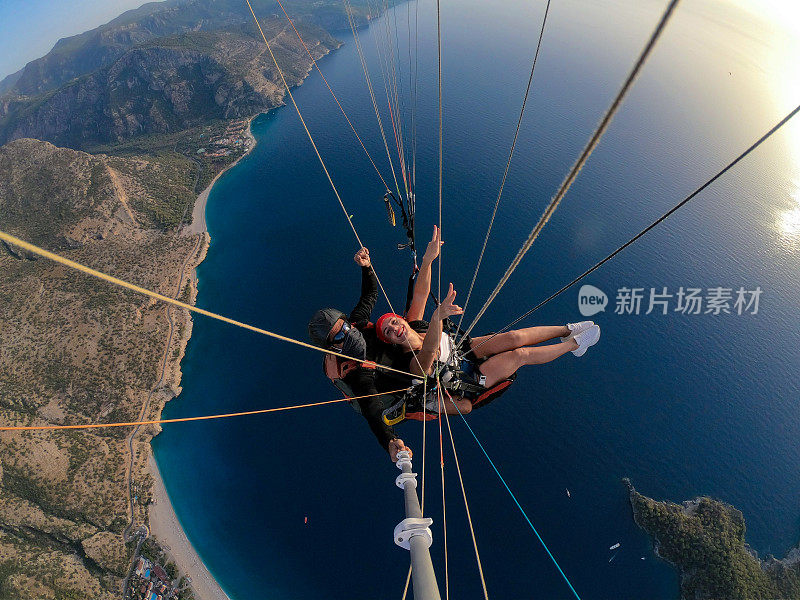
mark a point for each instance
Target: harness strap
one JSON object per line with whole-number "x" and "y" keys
{"x": 492, "y": 393}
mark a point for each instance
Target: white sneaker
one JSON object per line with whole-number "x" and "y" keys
{"x": 585, "y": 339}
{"x": 576, "y": 328}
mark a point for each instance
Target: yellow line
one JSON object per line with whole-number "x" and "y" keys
{"x": 10, "y": 239}
{"x": 316, "y": 151}
{"x": 330, "y": 89}
{"x": 466, "y": 506}
{"x": 181, "y": 420}
{"x": 303, "y": 121}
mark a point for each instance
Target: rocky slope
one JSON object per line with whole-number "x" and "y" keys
{"x": 87, "y": 52}
{"x": 705, "y": 540}
{"x": 152, "y": 95}
{"x": 76, "y": 350}
{"x": 166, "y": 85}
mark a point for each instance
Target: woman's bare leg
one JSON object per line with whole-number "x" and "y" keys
{"x": 501, "y": 366}
{"x": 511, "y": 340}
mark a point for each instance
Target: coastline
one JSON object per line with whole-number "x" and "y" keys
{"x": 163, "y": 522}
{"x": 166, "y": 528}
{"x": 198, "y": 224}
{"x": 677, "y": 542}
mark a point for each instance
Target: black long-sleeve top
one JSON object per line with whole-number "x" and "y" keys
{"x": 362, "y": 312}
{"x": 363, "y": 380}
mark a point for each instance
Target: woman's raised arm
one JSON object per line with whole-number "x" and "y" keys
{"x": 430, "y": 345}
{"x": 422, "y": 287}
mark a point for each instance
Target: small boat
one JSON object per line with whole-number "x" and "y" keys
{"x": 615, "y": 546}
{"x": 613, "y": 557}
{"x": 568, "y": 494}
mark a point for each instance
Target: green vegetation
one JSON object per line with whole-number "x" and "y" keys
{"x": 151, "y": 551}
{"x": 186, "y": 294}
{"x": 38, "y": 181}
{"x": 177, "y": 160}
{"x": 78, "y": 451}
{"x": 705, "y": 539}
{"x": 77, "y": 350}
{"x": 7, "y": 569}
{"x": 172, "y": 570}
{"x": 118, "y": 524}
{"x": 166, "y": 183}
{"x": 28, "y": 487}
{"x": 160, "y": 99}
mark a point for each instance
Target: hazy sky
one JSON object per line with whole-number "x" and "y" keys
{"x": 30, "y": 28}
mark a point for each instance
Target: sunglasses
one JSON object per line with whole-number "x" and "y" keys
{"x": 339, "y": 337}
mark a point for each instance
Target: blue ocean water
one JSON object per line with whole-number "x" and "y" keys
{"x": 682, "y": 404}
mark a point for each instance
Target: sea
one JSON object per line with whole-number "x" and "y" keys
{"x": 301, "y": 504}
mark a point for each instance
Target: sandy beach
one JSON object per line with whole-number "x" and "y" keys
{"x": 166, "y": 528}
{"x": 199, "y": 212}
{"x": 164, "y": 524}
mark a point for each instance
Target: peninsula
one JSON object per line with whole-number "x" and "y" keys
{"x": 705, "y": 539}
{"x": 108, "y": 141}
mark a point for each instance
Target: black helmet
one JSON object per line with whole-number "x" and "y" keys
{"x": 320, "y": 326}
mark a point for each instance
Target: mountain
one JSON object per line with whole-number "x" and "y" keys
{"x": 166, "y": 85}
{"x": 9, "y": 82}
{"x": 87, "y": 52}
{"x": 161, "y": 97}
{"x": 76, "y": 350}
{"x": 163, "y": 68}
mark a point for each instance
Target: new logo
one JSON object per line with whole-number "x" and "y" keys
{"x": 591, "y": 300}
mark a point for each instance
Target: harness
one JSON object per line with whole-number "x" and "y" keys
{"x": 336, "y": 369}
{"x": 460, "y": 376}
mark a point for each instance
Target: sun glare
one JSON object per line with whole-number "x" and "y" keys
{"x": 784, "y": 15}
{"x": 789, "y": 220}
{"x": 782, "y": 19}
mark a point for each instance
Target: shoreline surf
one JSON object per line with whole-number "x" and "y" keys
{"x": 163, "y": 520}
{"x": 167, "y": 529}
{"x": 198, "y": 224}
